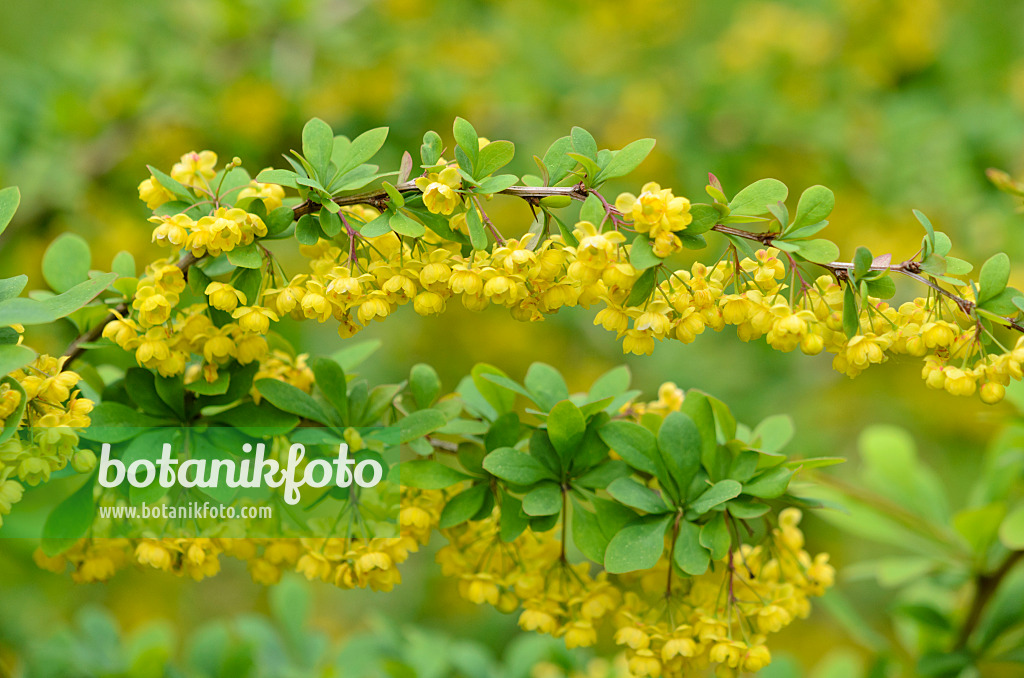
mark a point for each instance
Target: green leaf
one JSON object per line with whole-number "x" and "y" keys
{"x": 679, "y": 441}
{"x": 631, "y": 441}
{"x": 10, "y": 198}
{"x": 66, "y": 262}
{"x": 956, "y": 266}
{"x": 851, "y": 316}
{"x": 637, "y": 546}
{"x": 1011, "y": 530}
{"x": 755, "y": 198}
{"x": 330, "y": 223}
{"x": 587, "y": 533}
{"x": 70, "y": 519}
{"x": 602, "y": 475}
{"x": 171, "y": 185}
{"x": 543, "y": 500}
{"x": 546, "y": 385}
{"x": 770, "y": 484}
{"x": 376, "y": 227}
{"x": 14, "y": 357}
{"x": 633, "y": 494}
{"x": 306, "y": 230}
{"x": 862, "y": 261}
{"x": 566, "y": 427}
{"x": 12, "y": 287}
{"x": 123, "y": 264}
{"x": 317, "y": 145}
{"x": 689, "y": 555}
{"x": 583, "y": 142}
{"x": 643, "y": 287}
{"x": 32, "y": 312}
{"x": 627, "y": 159}
{"x": 818, "y": 251}
{"x": 247, "y": 256}
{"x": 218, "y": 386}
{"x": 280, "y": 177}
{"x": 404, "y": 225}
{"x": 641, "y": 254}
{"x": 698, "y": 407}
{"x": 513, "y": 520}
{"x": 704, "y": 218}
{"x": 496, "y": 184}
{"x": 883, "y": 288}
{"x": 504, "y": 432}
{"x": 720, "y": 492}
{"x": 430, "y": 149}
{"x": 1003, "y": 303}
{"x": 612, "y": 383}
{"x": 816, "y": 204}
{"x": 429, "y": 475}
{"x": 258, "y": 420}
{"x": 394, "y": 194}
{"x": 141, "y": 386}
{"x": 467, "y": 139}
{"x": 499, "y": 398}
{"x": 362, "y": 149}
{"x": 420, "y": 423}
{"x": 994, "y": 275}
{"x": 518, "y": 468}
{"x": 463, "y": 506}
{"x": 476, "y": 229}
{"x": 493, "y": 157}
{"x": 928, "y": 228}
{"x": 114, "y": 422}
{"x": 288, "y": 398}
{"x": 332, "y": 383}
{"x": 774, "y": 432}
{"x": 979, "y": 526}
{"x": 424, "y": 384}
{"x": 715, "y": 537}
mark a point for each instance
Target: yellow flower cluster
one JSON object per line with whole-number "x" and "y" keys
{"x": 535, "y": 276}
{"x": 222, "y": 231}
{"x": 658, "y": 213}
{"x": 53, "y": 411}
{"x": 720, "y": 618}
{"x": 348, "y": 563}
{"x": 167, "y": 344}
{"x": 557, "y": 597}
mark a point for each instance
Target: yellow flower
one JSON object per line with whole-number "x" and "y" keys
{"x": 992, "y": 392}
{"x": 195, "y": 169}
{"x": 655, "y": 210}
{"x": 638, "y": 342}
{"x": 428, "y": 303}
{"x": 224, "y": 297}
{"x": 440, "y": 194}
{"x": 375, "y": 305}
{"x": 272, "y": 195}
{"x": 632, "y": 637}
{"x": 254, "y": 318}
{"x": 153, "y": 193}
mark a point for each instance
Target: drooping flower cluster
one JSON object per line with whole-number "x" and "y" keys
{"x": 723, "y": 617}
{"x": 556, "y": 597}
{"x": 45, "y": 440}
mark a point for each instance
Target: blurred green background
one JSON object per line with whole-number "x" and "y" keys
{"x": 894, "y": 104}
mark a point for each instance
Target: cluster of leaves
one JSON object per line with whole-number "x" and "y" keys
{"x": 329, "y": 166}
{"x": 622, "y": 485}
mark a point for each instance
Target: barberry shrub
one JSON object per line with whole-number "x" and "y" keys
{"x": 664, "y": 525}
